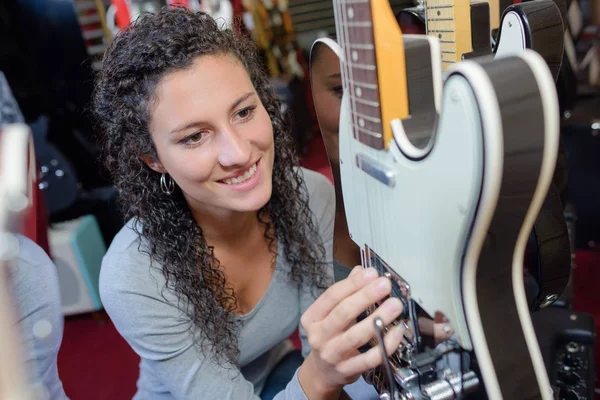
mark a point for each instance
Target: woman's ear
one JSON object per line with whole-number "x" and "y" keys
{"x": 153, "y": 163}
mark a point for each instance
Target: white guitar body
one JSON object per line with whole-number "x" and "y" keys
{"x": 393, "y": 200}
{"x": 434, "y": 286}
{"x": 536, "y": 25}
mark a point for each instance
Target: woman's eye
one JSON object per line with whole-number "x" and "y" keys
{"x": 195, "y": 138}
{"x": 246, "y": 113}
{"x": 338, "y": 90}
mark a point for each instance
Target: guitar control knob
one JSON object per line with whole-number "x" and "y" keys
{"x": 567, "y": 394}
{"x": 572, "y": 347}
{"x": 568, "y": 376}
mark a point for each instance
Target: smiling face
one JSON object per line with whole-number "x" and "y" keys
{"x": 214, "y": 137}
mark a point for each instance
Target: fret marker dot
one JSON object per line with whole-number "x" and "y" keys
{"x": 354, "y": 55}
{"x": 361, "y": 122}
{"x": 358, "y": 92}
{"x": 439, "y": 13}
{"x": 440, "y": 35}
{"x": 350, "y": 12}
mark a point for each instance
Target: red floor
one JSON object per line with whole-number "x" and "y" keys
{"x": 95, "y": 363}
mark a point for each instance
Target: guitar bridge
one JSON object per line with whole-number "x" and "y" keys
{"x": 416, "y": 373}
{"x": 400, "y": 288}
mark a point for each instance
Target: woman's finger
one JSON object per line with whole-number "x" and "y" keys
{"x": 358, "y": 278}
{"x": 351, "y": 307}
{"x": 372, "y": 358}
{"x": 359, "y": 334}
{"x": 439, "y": 331}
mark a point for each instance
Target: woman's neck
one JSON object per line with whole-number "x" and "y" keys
{"x": 228, "y": 229}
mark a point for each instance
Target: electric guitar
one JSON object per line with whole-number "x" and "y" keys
{"x": 537, "y": 25}
{"x": 17, "y": 175}
{"x": 448, "y": 222}
{"x": 465, "y": 28}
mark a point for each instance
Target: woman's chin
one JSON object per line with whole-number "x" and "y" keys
{"x": 254, "y": 201}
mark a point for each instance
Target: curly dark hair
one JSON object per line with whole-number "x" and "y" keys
{"x": 137, "y": 59}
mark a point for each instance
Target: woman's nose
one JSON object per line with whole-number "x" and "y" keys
{"x": 234, "y": 149}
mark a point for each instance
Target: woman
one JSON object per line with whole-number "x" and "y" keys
{"x": 228, "y": 243}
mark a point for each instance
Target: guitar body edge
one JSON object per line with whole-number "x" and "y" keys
{"x": 528, "y": 165}
{"x": 535, "y": 25}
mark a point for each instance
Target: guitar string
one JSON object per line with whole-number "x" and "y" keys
{"x": 349, "y": 84}
{"x": 363, "y": 37}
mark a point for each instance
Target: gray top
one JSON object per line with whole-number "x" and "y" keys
{"x": 36, "y": 293}
{"x": 171, "y": 367}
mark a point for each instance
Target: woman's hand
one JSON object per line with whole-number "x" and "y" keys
{"x": 437, "y": 331}
{"x": 335, "y": 337}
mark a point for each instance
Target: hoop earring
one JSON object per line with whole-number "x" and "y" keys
{"x": 167, "y": 187}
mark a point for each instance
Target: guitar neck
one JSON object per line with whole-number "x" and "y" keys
{"x": 495, "y": 13}
{"x": 373, "y": 52}
{"x": 450, "y": 22}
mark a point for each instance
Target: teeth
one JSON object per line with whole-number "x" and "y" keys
{"x": 232, "y": 181}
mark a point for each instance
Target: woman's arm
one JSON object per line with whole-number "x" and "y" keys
{"x": 36, "y": 293}
{"x": 160, "y": 333}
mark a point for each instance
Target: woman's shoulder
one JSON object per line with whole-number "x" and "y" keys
{"x": 127, "y": 240}
{"x": 321, "y": 195}
{"x": 315, "y": 181}
{"x": 127, "y": 265}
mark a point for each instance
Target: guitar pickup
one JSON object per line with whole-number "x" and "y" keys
{"x": 376, "y": 169}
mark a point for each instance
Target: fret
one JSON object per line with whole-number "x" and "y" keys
{"x": 448, "y": 52}
{"x": 368, "y": 67}
{"x": 447, "y": 41}
{"x": 367, "y": 107}
{"x": 362, "y": 56}
{"x": 440, "y": 19}
{"x": 442, "y": 30}
{"x": 361, "y": 46}
{"x": 359, "y": 24}
{"x": 362, "y": 75}
{"x": 370, "y": 115}
{"x": 373, "y": 142}
{"x": 448, "y": 47}
{"x": 438, "y": 7}
{"x": 360, "y": 36}
{"x": 364, "y": 85}
{"x": 368, "y": 132}
{"x": 366, "y": 125}
{"x": 364, "y": 93}
{"x": 351, "y": 12}
{"x": 353, "y": 1}
{"x": 365, "y": 102}
{"x": 369, "y": 118}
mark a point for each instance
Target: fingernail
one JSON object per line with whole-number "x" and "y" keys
{"x": 383, "y": 285}
{"x": 394, "y": 305}
{"x": 370, "y": 273}
{"x": 399, "y": 332}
